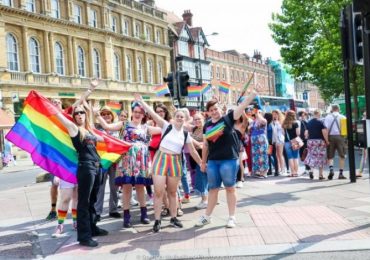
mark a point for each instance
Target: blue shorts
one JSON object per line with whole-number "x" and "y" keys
{"x": 222, "y": 171}
{"x": 290, "y": 153}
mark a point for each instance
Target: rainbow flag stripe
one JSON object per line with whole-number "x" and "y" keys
{"x": 206, "y": 87}
{"x": 214, "y": 132}
{"x": 115, "y": 106}
{"x": 224, "y": 87}
{"x": 161, "y": 90}
{"x": 194, "y": 91}
{"x": 39, "y": 132}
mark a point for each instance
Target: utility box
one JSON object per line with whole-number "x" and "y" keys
{"x": 361, "y": 134}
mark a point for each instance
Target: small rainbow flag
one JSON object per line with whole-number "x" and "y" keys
{"x": 224, "y": 87}
{"x": 115, "y": 106}
{"x": 161, "y": 90}
{"x": 206, "y": 87}
{"x": 194, "y": 91}
{"x": 39, "y": 132}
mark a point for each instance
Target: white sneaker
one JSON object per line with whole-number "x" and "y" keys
{"x": 201, "y": 205}
{"x": 133, "y": 202}
{"x": 231, "y": 223}
{"x": 58, "y": 231}
{"x": 150, "y": 202}
{"x": 239, "y": 184}
{"x": 203, "y": 220}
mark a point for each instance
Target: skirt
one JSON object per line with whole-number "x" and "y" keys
{"x": 316, "y": 156}
{"x": 259, "y": 147}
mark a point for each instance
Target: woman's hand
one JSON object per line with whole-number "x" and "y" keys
{"x": 94, "y": 83}
{"x": 138, "y": 97}
{"x": 96, "y": 110}
{"x": 203, "y": 167}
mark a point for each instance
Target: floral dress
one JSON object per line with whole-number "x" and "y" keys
{"x": 259, "y": 147}
{"x": 134, "y": 166}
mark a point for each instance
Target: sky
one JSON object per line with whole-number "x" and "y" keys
{"x": 242, "y": 24}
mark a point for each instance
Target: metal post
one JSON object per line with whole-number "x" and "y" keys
{"x": 200, "y": 77}
{"x": 347, "y": 91}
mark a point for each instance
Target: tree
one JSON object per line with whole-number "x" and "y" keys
{"x": 309, "y": 35}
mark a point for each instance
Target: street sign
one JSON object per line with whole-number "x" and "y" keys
{"x": 175, "y": 102}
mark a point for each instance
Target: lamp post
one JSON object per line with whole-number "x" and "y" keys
{"x": 200, "y": 82}
{"x": 267, "y": 62}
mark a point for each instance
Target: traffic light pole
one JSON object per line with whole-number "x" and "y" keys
{"x": 347, "y": 92}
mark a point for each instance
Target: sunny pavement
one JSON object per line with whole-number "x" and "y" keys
{"x": 278, "y": 215}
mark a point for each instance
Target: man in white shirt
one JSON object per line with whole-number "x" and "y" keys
{"x": 336, "y": 140}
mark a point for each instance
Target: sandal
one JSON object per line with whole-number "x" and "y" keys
{"x": 293, "y": 175}
{"x": 165, "y": 212}
{"x": 321, "y": 178}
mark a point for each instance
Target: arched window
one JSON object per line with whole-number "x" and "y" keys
{"x": 34, "y": 48}
{"x": 59, "y": 58}
{"x": 116, "y": 67}
{"x": 160, "y": 72}
{"x": 139, "y": 70}
{"x": 150, "y": 71}
{"x": 12, "y": 52}
{"x": 128, "y": 69}
{"x": 81, "y": 61}
{"x": 55, "y": 8}
{"x": 96, "y": 64}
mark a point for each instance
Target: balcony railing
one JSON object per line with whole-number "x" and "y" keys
{"x": 18, "y": 76}
{"x": 40, "y": 78}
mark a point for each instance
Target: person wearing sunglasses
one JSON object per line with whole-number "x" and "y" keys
{"x": 133, "y": 169}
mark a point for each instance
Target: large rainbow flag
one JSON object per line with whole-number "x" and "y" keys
{"x": 39, "y": 132}
{"x": 161, "y": 90}
{"x": 224, "y": 87}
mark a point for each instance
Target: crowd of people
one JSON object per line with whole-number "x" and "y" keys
{"x": 204, "y": 152}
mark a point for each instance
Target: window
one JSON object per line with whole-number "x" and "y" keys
{"x": 12, "y": 52}
{"x": 34, "y": 48}
{"x": 183, "y": 48}
{"x": 55, "y": 8}
{"x": 77, "y": 14}
{"x": 81, "y": 61}
{"x": 224, "y": 73}
{"x": 114, "y": 24}
{"x": 59, "y": 58}
{"x": 160, "y": 72}
{"x": 8, "y": 3}
{"x": 96, "y": 64}
{"x": 30, "y": 6}
{"x": 158, "y": 37}
{"x": 211, "y": 72}
{"x": 126, "y": 25}
{"x": 150, "y": 71}
{"x": 148, "y": 34}
{"x": 93, "y": 18}
{"x": 232, "y": 75}
{"x": 137, "y": 30}
{"x": 128, "y": 69}
{"x": 243, "y": 77}
{"x": 139, "y": 70}
{"x": 116, "y": 67}
{"x": 218, "y": 72}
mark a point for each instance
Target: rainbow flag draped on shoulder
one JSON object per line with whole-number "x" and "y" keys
{"x": 224, "y": 87}
{"x": 39, "y": 132}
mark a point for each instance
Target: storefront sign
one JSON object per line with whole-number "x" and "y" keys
{"x": 66, "y": 94}
{"x": 146, "y": 97}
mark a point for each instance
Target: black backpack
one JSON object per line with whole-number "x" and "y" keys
{"x": 168, "y": 129}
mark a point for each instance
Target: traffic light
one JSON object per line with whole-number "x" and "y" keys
{"x": 358, "y": 44}
{"x": 170, "y": 84}
{"x": 183, "y": 83}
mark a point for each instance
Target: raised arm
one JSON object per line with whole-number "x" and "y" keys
{"x": 159, "y": 120}
{"x": 71, "y": 127}
{"x": 243, "y": 105}
{"x": 93, "y": 84}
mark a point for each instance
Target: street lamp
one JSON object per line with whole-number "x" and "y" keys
{"x": 200, "y": 68}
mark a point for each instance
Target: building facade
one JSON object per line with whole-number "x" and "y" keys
{"x": 309, "y": 92}
{"x": 236, "y": 69}
{"x": 57, "y": 46}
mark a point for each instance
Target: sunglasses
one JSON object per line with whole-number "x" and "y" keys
{"x": 105, "y": 114}
{"x": 79, "y": 113}
{"x": 159, "y": 111}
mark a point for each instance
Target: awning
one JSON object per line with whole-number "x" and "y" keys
{"x": 6, "y": 119}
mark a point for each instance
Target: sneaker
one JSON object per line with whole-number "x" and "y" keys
{"x": 201, "y": 205}
{"x": 331, "y": 175}
{"x": 185, "y": 200}
{"x": 89, "y": 243}
{"x": 176, "y": 223}
{"x": 157, "y": 226}
{"x": 311, "y": 175}
{"x": 58, "y": 231}
{"x": 115, "y": 215}
{"x": 203, "y": 220}
{"x": 231, "y": 223}
{"x": 150, "y": 202}
{"x": 52, "y": 215}
{"x": 341, "y": 177}
{"x": 133, "y": 202}
{"x": 119, "y": 204}
{"x": 180, "y": 212}
{"x": 97, "y": 218}
{"x": 239, "y": 184}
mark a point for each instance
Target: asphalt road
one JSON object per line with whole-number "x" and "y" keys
{"x": 18, "y": 179}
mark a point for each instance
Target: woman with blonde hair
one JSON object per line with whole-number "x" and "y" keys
{"x": 292, "y": 131}
{"x": 278, "y": 137}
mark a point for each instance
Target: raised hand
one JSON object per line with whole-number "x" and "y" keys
{"x": 138, "y": 97}
{"x": 94, "y": 83}
{"x": 96, "y": 110}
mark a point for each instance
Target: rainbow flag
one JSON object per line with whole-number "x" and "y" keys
{"x": 194, "y": 91}
{"x": 39, "y": 132}
{"x": 224, "y": 87}
{"x": 245, "y": 87}
{"x": 161, "y": 90}
{"x": 115, "y": 106}
{"x": 206, "y": 87}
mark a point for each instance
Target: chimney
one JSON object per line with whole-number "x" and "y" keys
{"x": 148, "y": 2}
{"x": 188, "y": 17}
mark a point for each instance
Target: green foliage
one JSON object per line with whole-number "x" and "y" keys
{"x": 309, "y": 36}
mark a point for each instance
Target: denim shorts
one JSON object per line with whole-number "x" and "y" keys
{"x": 222, "y": 171}
{"x": 290, "y": 153}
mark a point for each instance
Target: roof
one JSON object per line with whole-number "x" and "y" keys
{"x": 6, "y": 119}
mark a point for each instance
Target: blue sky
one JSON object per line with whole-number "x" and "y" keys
{"x": 241, "y": 24}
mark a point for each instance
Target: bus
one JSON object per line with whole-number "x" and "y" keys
{"x": 270, "y": 103}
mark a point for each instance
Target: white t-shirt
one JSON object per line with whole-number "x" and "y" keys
{"x": 174, "y": 140}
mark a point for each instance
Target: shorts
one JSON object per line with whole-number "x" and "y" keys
{"x": 290, "y": 153}
{"x": 337, "y": 143}
{"x": 222, "y": 171}
{"x": 167, "y": 164}
{"x": 53, "y": 180}
{"x": 66, "y": 185}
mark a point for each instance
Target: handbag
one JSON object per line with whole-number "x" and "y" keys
{"x": 295, "y": 143}
{"x": 270, "y": 149}
{"x": 304, "y": 154}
